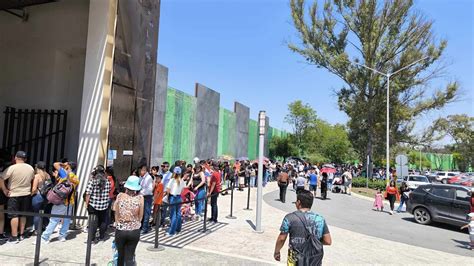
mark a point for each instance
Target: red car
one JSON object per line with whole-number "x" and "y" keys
{"x": 468, "y": 181}
{"x": 456, "y": 179}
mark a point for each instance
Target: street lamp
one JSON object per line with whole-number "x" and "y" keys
{"x": 388, "y": 75}
{"x": 261, "y": 132}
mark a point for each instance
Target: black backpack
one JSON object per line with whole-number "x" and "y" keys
{"x": 311, "y": 251}
{"x": 47, "y": 186}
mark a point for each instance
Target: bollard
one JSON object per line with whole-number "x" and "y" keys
{"x": 39, "y": 232}
{"x": 204, "y": 226}
{"x": 156, "y": 246}
{"x": 248, "y": 200}
{"x": 92, "y": 220}
{"x": 230, "y": 216}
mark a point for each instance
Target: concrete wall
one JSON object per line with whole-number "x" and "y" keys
{"x": 42, "y": 62}
{"x": 159, "y": 110}
{"x": 97, "y": 89}
{"x": 242, "y": 127}
{"x": 207, "y": 122}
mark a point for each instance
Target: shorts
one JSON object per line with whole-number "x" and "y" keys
{"x": 19, "y": 204}
{"x": 3, "y": 198}
{"x": 313, "y": 187}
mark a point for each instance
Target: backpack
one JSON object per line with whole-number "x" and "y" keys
{"x": 60, "y": 193}
{"x": 47, "y": 186}
{"x": 311, "y": 251}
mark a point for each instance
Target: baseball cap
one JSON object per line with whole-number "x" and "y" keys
{"x": 177, "y": 170}
{"x": 21, "y": 154}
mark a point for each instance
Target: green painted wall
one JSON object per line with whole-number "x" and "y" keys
{"x": 227, "y": 132}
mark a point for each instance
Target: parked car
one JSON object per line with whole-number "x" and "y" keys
{"x": 414, "y": 181}
{"x": 443, "y": 176}
{"x": 457, "y": 179}
{"x": 448, "y": 204}
{"x": 468, "y": 181}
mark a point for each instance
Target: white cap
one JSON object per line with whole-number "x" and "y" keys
{"x": 196, "y": 160}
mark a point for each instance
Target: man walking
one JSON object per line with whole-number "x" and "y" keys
{"x": 347, "y": 177}
{"x": 21, "y": 176}
{"x": 308, "y": 233}
{"x": 313, "y": 182}
{"x": 282, "y": 180}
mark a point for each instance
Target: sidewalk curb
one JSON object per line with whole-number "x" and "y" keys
{"x": 357, "y": 195}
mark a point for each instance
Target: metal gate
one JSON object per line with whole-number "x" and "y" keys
{"x": 40, "y": 133}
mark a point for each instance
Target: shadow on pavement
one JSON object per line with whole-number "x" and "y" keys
{"x": 190, "y": 232}
{"x": 462, "y": 244}
{"x": 435, "y": 224}
{"x": 251, "y": 224}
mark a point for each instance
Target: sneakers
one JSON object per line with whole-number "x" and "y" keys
{"x": 62, "y": 239}
{"x": 3, "y": 237}
{"x": 391, "y": 212}
{"x": 13, "y": 240}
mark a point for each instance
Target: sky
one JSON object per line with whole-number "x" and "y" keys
{"x": 239, "y": 48}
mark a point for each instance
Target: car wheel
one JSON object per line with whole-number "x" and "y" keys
{"x": 444, "y": 181}
{"x": 422, "y": 216}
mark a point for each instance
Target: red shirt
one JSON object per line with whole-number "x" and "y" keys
{"x": 112, "y": 187}
{"x": 216, "y": 178}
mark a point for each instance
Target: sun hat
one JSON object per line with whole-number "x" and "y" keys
{"x": 133, "y": 183}
{"x": 177, "y": 170}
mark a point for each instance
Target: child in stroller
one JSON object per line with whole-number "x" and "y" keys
{"x": 187, "y": 211}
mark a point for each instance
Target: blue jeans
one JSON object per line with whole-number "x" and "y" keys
{"x": 53, "y": 222}
{"x": 175, "y": 215}
{"x": 402, "y": 201}
{"x": 200, "y": 196}
{"x": 37, "y": 204}
{"x": 252, "y": 181}
{"x": 148, "y": 204}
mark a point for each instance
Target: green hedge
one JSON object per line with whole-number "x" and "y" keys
{"x": 361, "y": 182}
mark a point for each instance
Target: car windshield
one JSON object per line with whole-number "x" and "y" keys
{"x": 419, "y": 179}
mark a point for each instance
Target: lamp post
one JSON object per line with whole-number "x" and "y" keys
{"x": 261, "y": 133}
{"x": 388, "y": 75}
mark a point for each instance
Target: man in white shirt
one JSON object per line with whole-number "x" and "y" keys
{"x": 146, "y": 181}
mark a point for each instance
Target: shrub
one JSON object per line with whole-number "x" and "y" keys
{"x": 373, "y": 184}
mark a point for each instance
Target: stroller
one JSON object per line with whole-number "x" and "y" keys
{"x": 187, "y": 211}
{"x": 337, "y": 185}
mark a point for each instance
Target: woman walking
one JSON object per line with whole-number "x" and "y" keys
{"x": 198, "y": 184}
{"x": 403, "y": 195}
{"x": 324, "y": 186}
{"x": 128, "y": 217}
{"x": 42, "y": 179}
{"x": 391, "y": 193}
{"x": 175, "y": 188}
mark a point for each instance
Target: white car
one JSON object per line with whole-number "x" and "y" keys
{"x": 444, "y": 176}
{"x": 414, "y": 181}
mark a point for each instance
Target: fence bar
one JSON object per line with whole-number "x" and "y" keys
{"x": 156, "y": 246}
{"x": 50, "y": 138}
{"x": 56, "y": 137}
{"x": 18, "y": 128}
{"x": 6, "y": 126}
{"x": 25, "y": 129}
{"x": 39, "y": 232}
{"x": 230, "y": 216}
{"x": 248, "y": 199}
{"x": 92, "y": 220}
{"x": 63, "y": 140}
{"x": 204, "y": 226}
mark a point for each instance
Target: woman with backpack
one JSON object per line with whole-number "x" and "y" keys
{"x": 41, "y": 185}
{"x": 97, "y": 200}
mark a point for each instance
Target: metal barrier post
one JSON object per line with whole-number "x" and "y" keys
{"x": 248, "y": 199}
{"x": 92, "y": 220}
{"x": 39, "y": 232}
{"x": 157, "y": 247}
{"x": 231, "y": 202}
{"x": 204, "y": 226}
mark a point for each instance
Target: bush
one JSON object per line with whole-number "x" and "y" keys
{"x": 373, "y": 184}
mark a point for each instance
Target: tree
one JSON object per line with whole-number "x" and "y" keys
{"x": 282, "y": 147}
{"x": 461, "y": 129}
{"x": 300, "y": 117}
{"x": 414, "y": 158}
{"x": 384, "y": 35}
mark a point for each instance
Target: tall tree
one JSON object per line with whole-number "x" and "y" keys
{"x": 461, "y": 129}
{"x": 300, "y": 117}
{"x": 384, "y": 35}
{"x": 282, "y": 147}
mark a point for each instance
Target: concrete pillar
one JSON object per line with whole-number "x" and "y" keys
{"x": 207, "y": 122}
{"x": 242, "y": 113}
{"x": 159, "y": 110}
{"x": 267, "y": 139}
{"x": 97, "y": 87}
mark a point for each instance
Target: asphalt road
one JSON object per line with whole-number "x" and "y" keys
{"x": 355, "y": 214}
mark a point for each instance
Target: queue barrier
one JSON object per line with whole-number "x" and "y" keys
{"x": 157, "y": 247}
{"x": 91, "y": 218}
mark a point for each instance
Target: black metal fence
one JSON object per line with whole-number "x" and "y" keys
{"x": 40, "y": 133}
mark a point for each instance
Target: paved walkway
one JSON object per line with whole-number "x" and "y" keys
{"x": 233, "y": 242}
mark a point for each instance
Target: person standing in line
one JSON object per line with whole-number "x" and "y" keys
{"x": 282, "y": 180}
{"x": 128, "y": 208}
{"x": 198, "y": 185}
{"x": 167, "y": 175}
{"x": 146, "y": 182}
{"x": 303, "y": 225}
{"x": 157, "y": 197}
{"x": 391, "y": 193}
{"x": 97, "y": 201}
{"x": 174, "y": 189}
{"x": 66, "y": 176}
{"x": 404, "y": 190}
{"x": 214, "y": 190}
{"x": 347, "y": 182}
{"x": 20, "y": 176}
{"x": 313, "y": 182}
{"x": 42, "y": 179}
{"x": 242, "y": 176}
